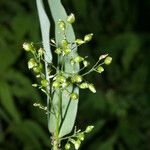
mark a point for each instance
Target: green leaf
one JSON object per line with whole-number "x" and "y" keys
{"x": 69, "y": 108}
{"x": 37, "y": 131}
{"x": 7, "y": 101}
{"x": 21, "y": 85}
{"x": 4, "y": 116}
{"x": 131, "y": 48}
{"x": 25, "y": 135}
{"x": 81, "y": 7}
{"x": 45, "y": 29}
{"x": 108, "y": 144}
{"x": 6, "y": 54}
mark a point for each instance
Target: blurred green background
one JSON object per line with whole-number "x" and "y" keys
{"x": 120, "y": 110}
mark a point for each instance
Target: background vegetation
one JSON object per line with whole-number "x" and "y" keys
{"x": 120, "y": 108}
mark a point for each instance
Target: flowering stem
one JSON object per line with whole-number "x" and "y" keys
{"x": 93, "y": 68}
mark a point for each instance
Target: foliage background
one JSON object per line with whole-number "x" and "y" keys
{"x": 120, "y": 108}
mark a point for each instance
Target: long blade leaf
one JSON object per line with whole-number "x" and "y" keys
{"x": 45, "y": 30}
{"x": 69, "y": 108}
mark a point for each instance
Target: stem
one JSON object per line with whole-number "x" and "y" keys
{"x": 56, "y": 136}
{"x": 88, "y": 71}
{"x": 59, "y": 115}
{"x": 71, "y": 136}
{"x": 56, "y": 145}
{"x": 93, "y": 68}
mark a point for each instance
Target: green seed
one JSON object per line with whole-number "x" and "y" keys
{"x": 74, "y": 96}
{"x": 34, "y": 85}
{"x": 38, "y": 69}
{"x": 78, "y": 59}
{"x": 41, "y": 52}
{"x": 88, "y": 37}
{"x": 84, "y": 85}
{"x": 71, "y": 18}
{"x": 72, "y": 62}
{"x": 62, "y": 25}
{"x": 61, "y": 79}
{"x": 79, "y": 41}
{"x": 85, "y": 63}
{"x": 89, "y": 129}
{"x": 67, "y": 51}
{"x": 27, "y": 46}
{"x": 108, "y": 60}
{"x": 58, "y": 51}
{"x": 76, "y": 78}
{"x": 67, "y": 146}
{"x": 56, "y": 84}
{"x": 32, "y": 63}
{"x": 44, "y": 82}
{"x": 92, "y": 88}
{"x": 100, "y": 69}
{"x": 77, "y": 144}
{"x": 65, "y": 84}
{"x": 64, "y": 43}
{"x": 81, "y": 136}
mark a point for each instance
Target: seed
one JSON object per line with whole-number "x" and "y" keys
{"x": 84, "y": 85}
{"x": 27, "y": 46}
{"x": 56, "y": 84}
{"x": 79, "y": 41}
{"x": 71, "y": 18}
{"x": 67, "y": 51}
{"x": 32, "y": 63}
{"x": 89, "y": 129}
{"x": 100, "y": 69}
{"x": 67, "y": 146}
{"x": 108, "y": 60}
{"x": 88, "y": 37}
{"x": 64, "y": 43}
{"x": 58, "y": 51}
{"x": 78, "y": 59}
{"x": 62, "y": 25}
{"x": 74, "y": 96}
{"x": 44, "y": 82}
{"x": 92, "y": 88}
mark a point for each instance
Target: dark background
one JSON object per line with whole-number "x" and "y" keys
{"x": 120, "y": 110}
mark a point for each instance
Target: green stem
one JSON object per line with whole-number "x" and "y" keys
{"x": 56, "y": 136}
{"x": 56, "y": 144}
{"x": 93, "y": 68}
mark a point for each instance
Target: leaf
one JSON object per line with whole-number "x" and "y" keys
{"x": 45, "y": 29}
{"x": 21, "y": 85}
{"x": 132, "y": 47}
{"x": 37, "y": 131}
{"x": 26, "y": 135}
{"x": 108, "y": 145}
{"x": 7, "y": 101}
{"x": 4, "y": 116}
{"x": 6, "y": 54}
{"x": 81, "y": 7}
{"x": 69, "y": 108}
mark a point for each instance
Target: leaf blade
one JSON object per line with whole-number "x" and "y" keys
{"x": 45, "y": 29}
{"x": 7, "y": 101}
{"x": 69, "y": 120}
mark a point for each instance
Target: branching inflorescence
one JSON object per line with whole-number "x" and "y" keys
{"x": 59, "y": 78}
